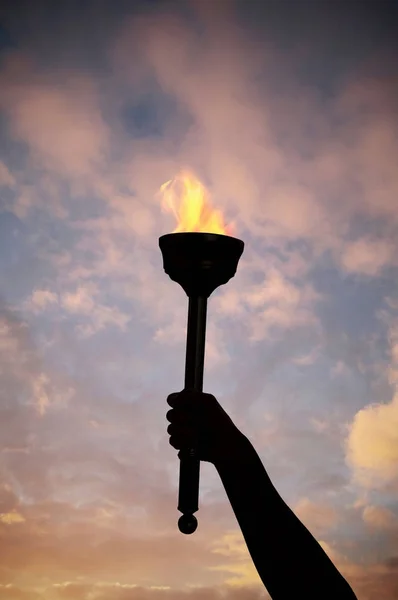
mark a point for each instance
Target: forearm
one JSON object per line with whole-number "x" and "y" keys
{"x": 287, "y": 557}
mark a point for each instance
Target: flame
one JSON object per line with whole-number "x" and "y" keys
{"x": 188, "y": 199}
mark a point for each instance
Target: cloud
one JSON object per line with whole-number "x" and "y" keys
{"x": 379, "y": 517}
{"x": 11, "y": 517}
{"x": 6, "y": 177}
{"x": 8, "y": 499}
{"x": 42, "y": 298}
{"x": 29, "y": 391}
{"x": 317, "y": 517}
{"x": 308, "y": 359}
{"x": 368, "y": 257}
{"x": 118, "y": 591}
{"x": 372, "y": 446}
{"x": 372, "y": 441}
{"x": 24, "y": 380}
{"x": 240, "y": 570}
{"x": 266, "y": 309}
{"x": 12, "y": 592}
{"x": 59, "y": 120}
{"x": 81, "y": 302}
{"x": 281, "y": 304}
{"x": 40, "y": 393}
{"x": 372, "y": 579}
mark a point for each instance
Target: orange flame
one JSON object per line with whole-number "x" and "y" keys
{"x": 188, "y": 199}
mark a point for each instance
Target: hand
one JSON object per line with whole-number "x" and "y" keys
{"x": 198, "y": 421}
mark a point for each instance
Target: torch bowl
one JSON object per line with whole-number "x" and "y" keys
{"x": 200, "y": 262}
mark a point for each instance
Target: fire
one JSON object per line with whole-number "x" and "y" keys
{"x": 188, "y": 199}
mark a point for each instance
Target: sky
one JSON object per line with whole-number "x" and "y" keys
{"x": 288, "y": 114}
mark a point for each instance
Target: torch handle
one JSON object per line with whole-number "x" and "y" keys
{"x": 188, "y": 497}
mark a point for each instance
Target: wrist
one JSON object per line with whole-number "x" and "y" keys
{"x": 241, "y": 452}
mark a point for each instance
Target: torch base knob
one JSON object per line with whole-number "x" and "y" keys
{"x": 187, "y": 524}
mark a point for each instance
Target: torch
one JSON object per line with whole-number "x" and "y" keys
{"x": 200, "y": 257}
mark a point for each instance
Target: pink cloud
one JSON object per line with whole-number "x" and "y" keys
{"x": 59, "y": 120}
{"x": 368, "y": 257}
{"x": 6, "y": 177}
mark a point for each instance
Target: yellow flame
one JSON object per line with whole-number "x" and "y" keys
{"x": 187, "y": 198}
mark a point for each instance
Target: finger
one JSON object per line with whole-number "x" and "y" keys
{"x": 173, "y": 441}
{"x": 171, "y": 430}
{"x": 171, "y": 398}
{"x": 183, "y": 438}
{"x": 191, "y": 404}
{"x": 182, "y": 415}
{"x": 198, "y": 400}
{"x": 188, "y": 395}
{"x": 177, "y": 398}
{"x": 180, "y": 399}
{"x": 189, "y": 400}
{"x": 180, "y": 442}
{"x": 181, "y": 431}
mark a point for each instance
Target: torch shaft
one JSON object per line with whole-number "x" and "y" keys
{"x": 196, "y": 337}
{"x": 188, "y": 497}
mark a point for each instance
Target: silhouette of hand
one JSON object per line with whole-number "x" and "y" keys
{"x": 198, "y": 421}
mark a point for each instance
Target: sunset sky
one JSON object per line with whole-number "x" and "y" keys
{"x": 287, "y": 111}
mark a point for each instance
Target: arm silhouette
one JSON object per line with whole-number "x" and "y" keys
{"x": 288, "y": 559}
